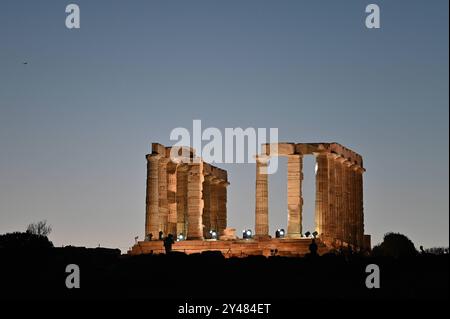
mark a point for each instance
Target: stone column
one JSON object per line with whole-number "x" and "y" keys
{"x": 351, "y": 204}
{"x": 152, "y": 196}
{"x": 332, "y": 205}
{"x": 340, "y": 212}
{"x": 195, "y": 201}
{"x": 163, "y": 204}
{"x": 182, "y": 182}
{"x": 322, "y": 206}
{"x": 262, "y": 200}
{"x": 214, "y": 203}
{"x": 294, "y": 195}
{"x": 346, "y": 201}
{"x": 355, "y": 207}
{"x": 222, "y": 206}
{"x": 172, "y": 198}
{"x": 359, "y": 206}
{"x": 206, "y": 216}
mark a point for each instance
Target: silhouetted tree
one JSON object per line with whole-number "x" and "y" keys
{"x": 395, "y": 245}
{"x": 26, "y": 240}
{"x": 40, "y": 228}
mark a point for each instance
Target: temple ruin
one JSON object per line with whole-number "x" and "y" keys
{"x": 188, "y": 199}
{"x": 184, "y": 198}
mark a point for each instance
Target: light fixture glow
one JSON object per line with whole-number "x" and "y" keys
{"x": 213, "y": 234}
{"x": 279, "y": 233}
{"x": 247, "y": 234}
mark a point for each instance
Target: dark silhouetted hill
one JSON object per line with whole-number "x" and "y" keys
{"x": 104, "y": 273}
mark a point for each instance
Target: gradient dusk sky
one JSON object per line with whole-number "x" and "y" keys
{"x": 78, "y": 119}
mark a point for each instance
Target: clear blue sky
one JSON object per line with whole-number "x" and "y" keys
{"x": 77, "y": 121}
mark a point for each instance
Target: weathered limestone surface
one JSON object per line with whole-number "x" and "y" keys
{"x": 182, "y": 181}
{"x": 152, "y": 210}
{"x": 206, "y": 217}
{"x": 262, "y": 200}
{"x": 331, "y": 219}
{"x": 322, "y": 205}
{"x": 235, "y": 247}
{"x": 339, "y": 217}
{"x": 359, "y": 207}
{"x": 172, "y": 198}
{"x": 179, "y": 199}
{"x": 195, "y": 201}
{"x": 346, "y": 203}
{"x": 294, "y": 195}
{"x": 190, "y": 197}
{"x": 228, "y": 234}
{"x": 339, "y": 198}
{"x": 352, "y": 202}
{"x": 163, "y": 203}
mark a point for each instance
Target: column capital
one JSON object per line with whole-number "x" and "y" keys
{"x": 214, "y": 180}
{"x": 209, "y": 178}
{"x": 348, "y": 163}
{"x": 164, "y": 160}
{"x": 334, "y": 156}
{"x": 358, "y": 169}
{"x": 341, "y": 159}
{"x": 153, "y": 156}
{"x": 183, "y": 167}
{"x": 224, "y": 183}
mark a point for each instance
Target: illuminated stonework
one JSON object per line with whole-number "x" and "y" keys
{"x": 339, "y": 213}
{"x": 189, "y": 198}
{"x": 184, "y": 198}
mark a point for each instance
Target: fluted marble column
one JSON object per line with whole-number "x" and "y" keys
{"x": 206, "y": 216}
{"x": 262, "y": 200}
{"x": 152, "y": 196}
{"x": 332, "y": 205}
{"x": 351, "y": 203}
{"x": 195, "y": 201}
{"x": 322, "y": 206}
{"x": 182, "y": 182}
{"x": 353, "y": 198}
{"x": 294, "y": 195}
{"x": 172, "y": 198}
{"x": 345, "y": 202}
{"x": 340, "y": 211}
{"x": 163, "y": 203}
{"x": 359, "y": 206}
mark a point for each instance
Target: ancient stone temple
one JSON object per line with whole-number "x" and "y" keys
{"x": 339, "y": 212}
{"x": 187, "y": 198}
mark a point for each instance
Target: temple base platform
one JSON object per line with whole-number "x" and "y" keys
{"x": 235, "y": 248}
